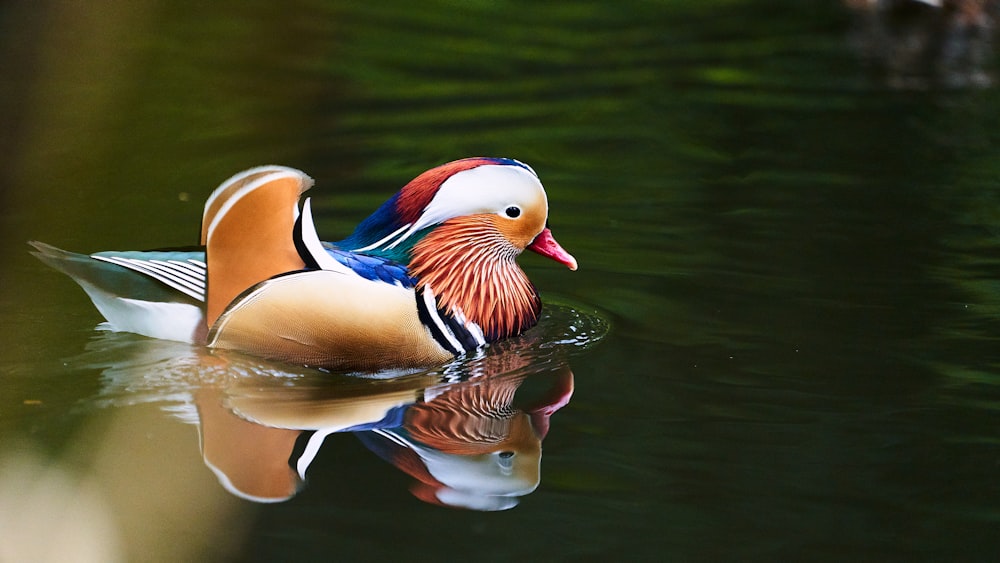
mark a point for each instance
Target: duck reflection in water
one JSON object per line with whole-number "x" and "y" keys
{"x": 465, "y": 442}
{"x": 469, "y": 434}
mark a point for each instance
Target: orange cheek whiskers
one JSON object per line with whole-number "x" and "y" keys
{"x": 470, "y": 267}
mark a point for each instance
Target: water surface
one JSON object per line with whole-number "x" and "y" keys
{"x": 791, "y": 249}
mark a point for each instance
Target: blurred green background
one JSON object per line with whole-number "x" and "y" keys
{"x": 786, "y": 210}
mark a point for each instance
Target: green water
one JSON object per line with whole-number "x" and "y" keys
{"x": 794, "y": 256}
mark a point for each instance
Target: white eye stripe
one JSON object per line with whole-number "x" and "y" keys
{"x": 491, "y": 188}
{"x": 485, "y": 189}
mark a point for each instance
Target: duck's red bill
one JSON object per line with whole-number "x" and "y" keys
{"x": 546, "y": 245}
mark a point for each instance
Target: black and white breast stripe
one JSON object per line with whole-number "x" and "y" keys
{"x": 186, "y": 276}
{"x": 307, "y": 445}
{"x": 453, "y": 332}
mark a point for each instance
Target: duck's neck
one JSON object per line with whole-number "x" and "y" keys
{"x": 379, "y": 235}
{"x": 471, "y": 270}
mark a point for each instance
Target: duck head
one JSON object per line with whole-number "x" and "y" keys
{"x": 459, "y": 228}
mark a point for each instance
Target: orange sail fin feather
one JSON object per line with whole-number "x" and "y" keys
{"x": 246, "y": 232}
{"x": 429, "y": 276}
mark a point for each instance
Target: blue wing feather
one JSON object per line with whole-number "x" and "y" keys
{"x": 373, "y": 268}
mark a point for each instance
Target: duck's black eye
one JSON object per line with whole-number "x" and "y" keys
{"x": 513, "y": 211}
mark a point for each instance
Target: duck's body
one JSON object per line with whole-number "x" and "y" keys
{"x": 429, "y": 276}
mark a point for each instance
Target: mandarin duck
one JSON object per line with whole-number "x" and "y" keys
{"x": 429, "y": 276}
